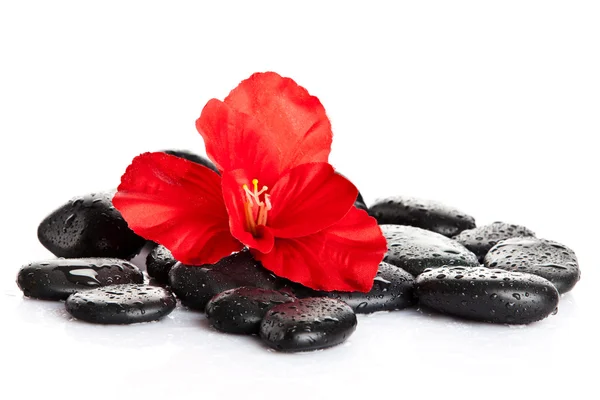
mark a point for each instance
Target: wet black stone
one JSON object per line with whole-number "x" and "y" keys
{"x": 360, "y": 199}
{"x": 89, "y": 226}
{"x": 545, "y": 258}
{"x": 198, "y": 159}
{"x": 392, "y": 290}
{"x": 121, "y": 304}
{"x": 414, "y": 249}
{"x": 481, "y": 239}
{"x": 242, "y": 309}
{"x": 158, "y": 264}
{"x": 425, "y": 214}
{"x": 360, "y": 203}
{"x": 308, "y": 324}
{"x": 57, "y": 279}
{"x": 196, "y": 285}
{"x": 489, "y": 295}
{"x": 296, "y": 289}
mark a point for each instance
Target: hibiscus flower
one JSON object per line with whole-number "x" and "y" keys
{"x": 277, "y": 193}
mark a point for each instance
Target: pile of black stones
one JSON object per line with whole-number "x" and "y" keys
{"x": 437, "y": 259}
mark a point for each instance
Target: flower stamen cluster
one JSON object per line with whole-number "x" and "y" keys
{"x": 256, "y": 210}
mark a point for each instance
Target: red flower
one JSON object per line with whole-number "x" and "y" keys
{"x": 277, "y": 195}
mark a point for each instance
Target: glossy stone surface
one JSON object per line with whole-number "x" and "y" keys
{"x": 59, "y": 278}
{"x": 481, "y": 239}
{"x": 296, "y": 289}
{"x": 392, "y": 290}
{"x": 158, "y": 264}
{"x": 89, "y": 226}
{"x": 415, "y": 249}
{"x": 241, "y": 310}
{"x": 425, "y": 214}
{"x": 545, "y": 258}
{"x": 121, "y": 304}
{"x": 190, "y": 156}
{"x": 196, "y": 285}
{"x": 490, "y": 295}
{"x": 360, "y": 203}
{"x": 308, "y": 324}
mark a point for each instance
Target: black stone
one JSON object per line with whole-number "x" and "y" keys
{"x": 481, "y": 239}
{"x": 159, "y": 262}
{"x": 89, "y": 226}
{"x": 392, "y": 290}
{"x": 198, "y": 159}
{"x": 242, "y": 309}
{"x": 296, "y": 289}
{"x": 545, "y": 258}
{"x": 360, "y": 198}
{"x": 121, "y": 304}
{"x": 424, "y": 214}
{"x": 308, "y": 324}
{"x": 57, "y": 279}
{"x": 360, "y": 203}
{"x": 196, "y": 285}
{"x": 489, "y": 295}
{"x": 414, "y": 249}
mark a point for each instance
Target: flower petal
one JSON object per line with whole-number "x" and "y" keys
{"x": 237, "y": 141}
{"x": 178, "y": 204}
{"x": 234, "y": 197}
{"x": 297, "y": 120}
{"x": 309, "y": 198}
{"x": 343, "y": 257}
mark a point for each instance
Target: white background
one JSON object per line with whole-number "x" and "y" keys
{"x": 492, "y": 107}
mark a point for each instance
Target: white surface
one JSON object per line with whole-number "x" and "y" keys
{"x": 488, "y": 106}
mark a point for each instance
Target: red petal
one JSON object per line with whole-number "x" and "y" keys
{"x": 178, "y": 204}
{"x": 234, "y": 201}
{"x": 297, "y": 119}
{"x": 237, "y": 141}
{"x": 343, "y": 257}
{"x": 308, "y": 199}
